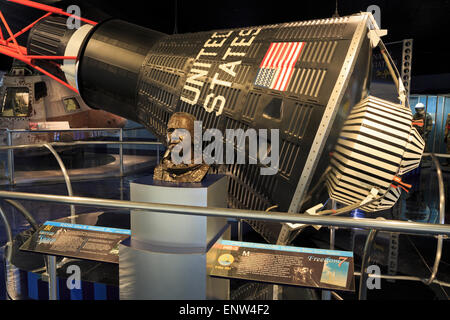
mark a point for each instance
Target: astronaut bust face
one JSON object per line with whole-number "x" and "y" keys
{"x": 180, "y": 130}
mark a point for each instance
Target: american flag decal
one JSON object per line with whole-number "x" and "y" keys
{"x": 277, "y": 66}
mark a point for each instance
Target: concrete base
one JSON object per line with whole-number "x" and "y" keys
{"x": 166, "y": 255}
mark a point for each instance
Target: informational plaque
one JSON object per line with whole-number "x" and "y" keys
{"x": 77, "y": 241}
{"x": 318, "y": 268}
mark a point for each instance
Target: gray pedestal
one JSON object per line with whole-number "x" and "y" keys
{"x": 165, "y": 258}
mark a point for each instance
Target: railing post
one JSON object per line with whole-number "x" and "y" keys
{"x": 52, "y": 281}
{"x": 10, "y": 157}
{"x": 121, "y": 152}
{"x": 157, "y": 154}
{"x": 240, "y": 231}
{"x": 9, "y": 235}
{"x": 326, "y": 294}
{"x": 121, "y": 188}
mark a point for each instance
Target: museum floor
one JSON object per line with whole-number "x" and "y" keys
{"x": 415, "y": 255}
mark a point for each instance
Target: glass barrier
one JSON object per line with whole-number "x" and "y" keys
{"x": 84, "y": 152}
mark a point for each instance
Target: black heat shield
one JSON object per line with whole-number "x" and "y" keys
{"x": 141, "y": 74}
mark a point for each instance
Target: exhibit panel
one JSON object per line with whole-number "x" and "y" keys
{"x": 26, "y": 276}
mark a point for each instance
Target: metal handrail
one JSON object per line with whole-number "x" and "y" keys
{"x": 9, "y": 243}
{"x": 439, "y": 155}
{"x": 362, "y": 295}
{"x": 344, "y": 222}
{"x": 74, "y": 143}
{"x": 25, "y": 213}
{"x": 135, "y": 128}
{"x": 59, "y": 130}
{"x": 401, "y": 278}
{"x": 65, "y": 174}
{"x": 71, "y": 129}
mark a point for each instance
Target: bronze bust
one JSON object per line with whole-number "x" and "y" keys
{"x": 169, "y": 171}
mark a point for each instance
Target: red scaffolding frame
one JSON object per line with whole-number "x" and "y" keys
{"x": 11, "y": 47}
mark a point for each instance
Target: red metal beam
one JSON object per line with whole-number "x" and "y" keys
{"x": 53, "y": 77}
{"x": 52, "y": 57}
{"x": 13, "y": 54}
{"x": 11, "y": 46}
{"x": 10, "y": 32}
{"x": 47, "y": 8}
{"x": 18, "y": 52}
{"x": 29, "y": 26}
{"x": 9, "y": 52}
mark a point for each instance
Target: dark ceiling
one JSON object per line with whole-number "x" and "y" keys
{"x": 427, "y": 22}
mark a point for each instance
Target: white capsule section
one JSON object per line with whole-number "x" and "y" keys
{"x": 377, "y": 144}
{"x": 70, "y": 67}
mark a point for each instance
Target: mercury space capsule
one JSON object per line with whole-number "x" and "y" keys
{"x": 307, "y": 79}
